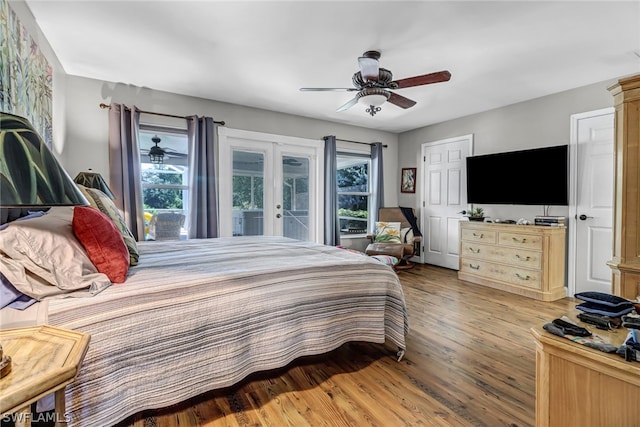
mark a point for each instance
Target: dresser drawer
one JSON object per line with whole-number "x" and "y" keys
{"x": 526, "y": 241}
{"x": 485, "y": 236}
{"x": 513, "y": 275}
{"x": 513, "y": 256}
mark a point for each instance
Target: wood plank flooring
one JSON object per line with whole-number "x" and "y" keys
{"x": 470, "y": 361}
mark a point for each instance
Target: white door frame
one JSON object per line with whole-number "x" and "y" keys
{"x": 278, "y": 145}
{"x": 573, "y": 193}
{"x": 423, "y": 178}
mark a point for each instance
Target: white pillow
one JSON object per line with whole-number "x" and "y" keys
{"x": 406, "y": 235}
{"x": 41, "y": 257}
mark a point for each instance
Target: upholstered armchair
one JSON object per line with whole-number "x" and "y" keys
{"x": 166, "y": 226}
{"x": 394, "y": 236}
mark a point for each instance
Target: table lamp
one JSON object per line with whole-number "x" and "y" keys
{"x": 30, "y": 177}
{"x": 93, "y": 180}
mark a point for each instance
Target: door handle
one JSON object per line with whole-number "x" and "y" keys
{"x": 583, "y": 217}
{"x": 278, "y": 216}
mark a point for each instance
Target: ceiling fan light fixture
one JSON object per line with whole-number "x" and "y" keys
{"x": 373, "y": 96}
{"x": 156, "y": 154}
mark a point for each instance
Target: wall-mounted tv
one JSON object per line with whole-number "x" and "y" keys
{"x": 538, "y": 176}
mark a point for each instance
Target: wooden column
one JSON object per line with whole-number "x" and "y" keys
{"x": 626, "y": 211}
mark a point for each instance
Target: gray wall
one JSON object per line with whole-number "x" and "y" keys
{"x": 536, "y": 123}
{"x": 86, "y": 139}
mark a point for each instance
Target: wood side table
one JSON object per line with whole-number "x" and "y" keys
{"x": 577, "y": 386}
{"x": 44, "y": 360}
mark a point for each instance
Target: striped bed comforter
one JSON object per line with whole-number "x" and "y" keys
{"x": 197, "y": 315}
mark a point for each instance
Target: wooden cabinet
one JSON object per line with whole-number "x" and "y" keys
{"x": 527, "y": 260}
{"x": 577, "y": 386}
{"x": 626, "y": 204}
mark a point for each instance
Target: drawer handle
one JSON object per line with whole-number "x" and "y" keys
{"x": 526, "y": 258}
{"x": 515, "y": 239}
{"x": 478, "y": 235}
{"x": 475, "y": 251}
{"x": 527, "y": 277}
{"x": 474, "y": 266}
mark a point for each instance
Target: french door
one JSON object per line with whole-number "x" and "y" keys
{"x": 270, "y": 185}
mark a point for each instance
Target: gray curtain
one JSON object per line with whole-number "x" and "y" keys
{"x": 377, "y": 183}
{"x": 331, "y": 221}
{"x": 124, "y": 165}
{"x": 203, "y": 195}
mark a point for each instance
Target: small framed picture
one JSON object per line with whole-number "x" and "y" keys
{"x": 408, "y": 180}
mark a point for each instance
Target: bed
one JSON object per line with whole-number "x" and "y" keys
{"x": 197, "y": 315}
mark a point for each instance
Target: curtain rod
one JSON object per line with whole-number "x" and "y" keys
{"x": 103, "y": 106}
{"x": 358, "y": 142}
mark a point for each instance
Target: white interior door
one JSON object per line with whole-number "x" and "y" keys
{"x": 591, "y": 210}
{"x": 270, "y": 185}
{"x": 445, "y": 196}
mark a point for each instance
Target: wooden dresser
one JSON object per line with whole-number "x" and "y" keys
{"x": 528, "y": 260}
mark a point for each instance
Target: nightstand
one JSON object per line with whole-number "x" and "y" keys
{"x": 44, "y": 360}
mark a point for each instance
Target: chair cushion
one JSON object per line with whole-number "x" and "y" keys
{"x": 387, "y": 232}
{"x": 392, "y": 249}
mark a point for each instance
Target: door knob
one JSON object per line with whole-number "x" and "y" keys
{"x": 278, "y": 206}
{"x": 278, "y": 216}
{"x": 584, "y": 217}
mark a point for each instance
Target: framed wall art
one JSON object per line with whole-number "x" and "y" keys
{"x": 408, "y": 180}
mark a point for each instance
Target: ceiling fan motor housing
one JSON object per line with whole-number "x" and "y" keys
{"x": 384, "y": 79}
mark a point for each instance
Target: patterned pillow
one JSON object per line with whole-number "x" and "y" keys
{"x": 387, "y": 232}
{"x": 386, "y": 259}
{"x": 107, "y": 207}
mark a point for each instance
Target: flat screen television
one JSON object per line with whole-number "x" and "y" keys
{"x": 538, "y": 176}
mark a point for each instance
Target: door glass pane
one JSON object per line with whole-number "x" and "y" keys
{"x": 295, "y": 197}
{"x": 248, "y": 193}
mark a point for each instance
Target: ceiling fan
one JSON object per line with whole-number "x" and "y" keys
{"x": 373, "y": 83}
{"x": 156, "y": 153}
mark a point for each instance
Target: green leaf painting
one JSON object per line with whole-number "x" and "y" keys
{"x": 25, "y": 75}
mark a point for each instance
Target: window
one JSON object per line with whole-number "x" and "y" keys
{"x": 354, "y": 192}
{"x": 165, "y": 186}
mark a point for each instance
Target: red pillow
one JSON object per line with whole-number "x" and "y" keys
{"x": 102, "y": 241}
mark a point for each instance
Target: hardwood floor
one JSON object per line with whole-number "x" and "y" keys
{"x": 470, "y": 361}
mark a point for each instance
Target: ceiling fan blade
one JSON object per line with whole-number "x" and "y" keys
{"x": 348, "y": 105}
{"x": 401, "y": 101}
{"x": 369, "y": 68}
{"x": 327, "y": 89}
{"x": 440, "y": 76}
{"x": 175, "y": 154}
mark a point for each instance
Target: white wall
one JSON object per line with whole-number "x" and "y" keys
{"x": 536, "y": 123}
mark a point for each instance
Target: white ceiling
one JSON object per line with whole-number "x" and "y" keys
{"x": 260, "y": 53}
